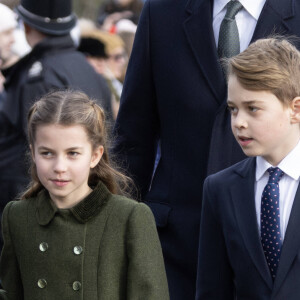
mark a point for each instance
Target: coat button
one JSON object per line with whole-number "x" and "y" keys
{"x": 77, "y": 250}
{"x": 43, "y": 246}
{"x": 42, "y": 283}
{"x": 76, "y": 285}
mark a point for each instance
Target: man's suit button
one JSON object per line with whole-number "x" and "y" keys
{"x": 43, "y": 246}
{"x": 42, "y": 283}
{"x": 76, "y": 285}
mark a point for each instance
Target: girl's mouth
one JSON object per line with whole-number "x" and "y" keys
{"x": 60, "y": 183}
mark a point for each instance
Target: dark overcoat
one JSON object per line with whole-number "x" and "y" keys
{"x": 175, "y": 92}
{"x": 106, "y": 247}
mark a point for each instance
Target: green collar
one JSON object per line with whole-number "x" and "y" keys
{"x": 83, "y": 211}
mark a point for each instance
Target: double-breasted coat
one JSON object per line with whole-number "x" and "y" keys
{"x": 175, "y": 92}
{"x": 106, "y": 247}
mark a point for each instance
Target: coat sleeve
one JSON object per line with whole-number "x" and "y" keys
{"x": 215, "y": 276}
{"x": 137, "y": 125}
{"x": 146, "y": 277}
{"x": 9, "y": 268}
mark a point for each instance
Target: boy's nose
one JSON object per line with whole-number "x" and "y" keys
{"x": 239, "y": 121}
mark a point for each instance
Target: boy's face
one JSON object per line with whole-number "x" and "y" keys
{"x": 261, "y": 124}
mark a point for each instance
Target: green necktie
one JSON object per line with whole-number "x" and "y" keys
{"x": 229, "y": 42}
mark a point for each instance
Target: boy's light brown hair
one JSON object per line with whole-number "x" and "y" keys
{"x": 271, "y": 64}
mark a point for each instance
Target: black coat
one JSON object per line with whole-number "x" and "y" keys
{"x": 53, "y": 63}
{"x": 175, "y": 91}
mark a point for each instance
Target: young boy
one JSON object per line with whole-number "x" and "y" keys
{"x": 250, "y": 226}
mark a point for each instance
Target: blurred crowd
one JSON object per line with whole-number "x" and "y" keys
{"x": 105, "y": 42}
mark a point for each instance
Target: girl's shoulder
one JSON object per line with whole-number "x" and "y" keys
{"x": 126, "y": 206}
{"x": 124, "y": 202}
{"x": 17, "y": 209}
{"x": 19, "y": 205}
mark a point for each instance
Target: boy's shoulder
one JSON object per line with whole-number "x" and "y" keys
{"x": 243, "y": 168}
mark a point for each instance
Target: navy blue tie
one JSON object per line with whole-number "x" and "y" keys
{"x": 270, "y": 220}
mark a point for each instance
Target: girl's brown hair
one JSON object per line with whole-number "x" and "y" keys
{"x": 69, "y": 108}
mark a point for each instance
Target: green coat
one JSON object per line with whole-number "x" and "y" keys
{"x": 106, "y": 247}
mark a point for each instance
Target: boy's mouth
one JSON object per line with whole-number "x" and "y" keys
{"x": 244, "y": 140}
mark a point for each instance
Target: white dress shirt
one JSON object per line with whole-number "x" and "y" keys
{"x": 288, "y": 185}
{"x": 246, "y": 19}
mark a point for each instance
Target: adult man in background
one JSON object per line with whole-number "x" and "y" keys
{"x": 52, "y": 64}
{"x": 175, "y": 92}
{"x": 8, "y": 24}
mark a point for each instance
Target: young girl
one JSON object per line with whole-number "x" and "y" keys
{"x": 71, "y": 236}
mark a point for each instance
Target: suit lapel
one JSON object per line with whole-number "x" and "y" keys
{"x": 274, "y": 19}
{"x": 242, "y": 193}
{"x": 291, "y": 244}
{"x": 200, "y": 37}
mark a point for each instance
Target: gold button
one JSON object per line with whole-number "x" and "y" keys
{"x": 77, "y": 250}
{"x": 76, "y": 285}
{"x": 43, "y": 246}
{"x": 42, "y": 283}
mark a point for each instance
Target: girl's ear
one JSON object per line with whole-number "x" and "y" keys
{"x": 96, "y": 156}
{"x": 32, "y": 152}
{"x": 295, "y": 107}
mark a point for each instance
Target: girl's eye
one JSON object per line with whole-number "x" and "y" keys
{"x": 46, "y": 153}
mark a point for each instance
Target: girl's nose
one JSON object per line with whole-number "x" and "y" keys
{"x": 60, "y": 165}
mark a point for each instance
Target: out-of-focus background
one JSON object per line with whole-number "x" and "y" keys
{"x": 83, "y": 8}
{"x": 104, "y": 33}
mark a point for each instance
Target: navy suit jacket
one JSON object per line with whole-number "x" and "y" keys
{"x": 175, "y": 92}
{"x": 232, "y": 263}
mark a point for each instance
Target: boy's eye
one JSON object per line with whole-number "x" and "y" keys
{"x": 253, "y": 109}
{"x": 73, "y": 153}
{"x": 232, "y": 109}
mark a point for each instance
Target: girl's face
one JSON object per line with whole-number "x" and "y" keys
{"x": 64, "y": 156}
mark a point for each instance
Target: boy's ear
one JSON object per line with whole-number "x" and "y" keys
{"x": 97, "y": 155}
{"x": 295, "y": 106}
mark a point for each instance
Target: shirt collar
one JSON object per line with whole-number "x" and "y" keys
{"x": 253, "y": 7}
{"x": 290, "y": 165}
{"x": 83, "y": 211}
{"x": 218, "y": 6}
